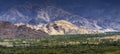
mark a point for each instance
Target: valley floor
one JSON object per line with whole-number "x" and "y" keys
{"x": 108, "y": 43}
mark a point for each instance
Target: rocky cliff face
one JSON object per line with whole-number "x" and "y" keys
{"x": 8, "y": 30}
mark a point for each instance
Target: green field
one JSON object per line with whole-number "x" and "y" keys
{"x": 62, "y": 44}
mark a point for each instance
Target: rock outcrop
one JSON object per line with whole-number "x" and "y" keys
{"x": 63, "y": 27}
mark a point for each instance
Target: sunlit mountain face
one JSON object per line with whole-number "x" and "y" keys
{"x": 93, "y": 14}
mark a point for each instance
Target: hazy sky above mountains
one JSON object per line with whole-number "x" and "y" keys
{"x": 65, "y": 2}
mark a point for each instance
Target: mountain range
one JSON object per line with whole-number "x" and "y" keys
{"x": 38, "y": 15}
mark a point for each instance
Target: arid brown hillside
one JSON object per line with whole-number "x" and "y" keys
{"x": 9, "y": 30}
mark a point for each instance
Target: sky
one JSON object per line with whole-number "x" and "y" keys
{"x": 64, "y": 2}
